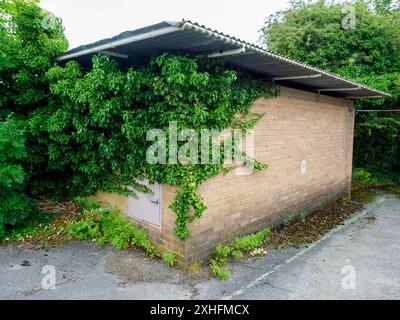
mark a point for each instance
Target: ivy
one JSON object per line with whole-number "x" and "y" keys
{"x": 97, "y": 123}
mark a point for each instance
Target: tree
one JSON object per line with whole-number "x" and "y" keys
{"x": 14, "y": 204}
{"x": 383, "y": 6}
{"x": 29, "y": 46}
{"x": 314, "y": 32}
{"x": 30, "y": 41}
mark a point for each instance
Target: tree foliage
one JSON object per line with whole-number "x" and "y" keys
{"x": 27, "y": 51}
{"x": 29, "y": 48}
{"x": 86, "y": 130}
{"x": 97, "y": 122}
{"x": 312, "y": 31}
{"x": 14, "y": 204}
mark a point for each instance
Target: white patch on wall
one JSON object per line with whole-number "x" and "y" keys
{"x": 147, "y": 206}
{"x": 303, "y": 167}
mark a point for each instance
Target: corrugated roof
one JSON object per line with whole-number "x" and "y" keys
{"x": 137, "y": 46}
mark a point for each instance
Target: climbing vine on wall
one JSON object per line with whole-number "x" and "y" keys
{"x": 98, "y": 120}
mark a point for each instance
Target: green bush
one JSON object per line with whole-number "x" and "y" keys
{"x": 87, "y": 203}
{"x": 169, "y": 258}
{"x": 236, "y": 249}
{"x": 15, "y": 206}
{"x": 87, "y": 129}
{"x": 361, "y": 175}
{"x": 310, "y": 31}
{"x": 219, "y": 272}
{"x": 377, "y": 145}
{"x": 98, "y": 121}
{"x": 109, "y": 227}
{"x": 27, "y": 51}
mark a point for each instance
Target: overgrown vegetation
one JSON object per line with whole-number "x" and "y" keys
{"x": 312, "y": 31}
{"x": 361, "y": 175}
{"x": 169, "y": 258}
{"x": 296, "y": 230}
{"x": 87, "y": 130}
{"x": 107, "y": 226}
{"x": 236, "y": 249}
{"x": 15, "y": 206}
{"x": 98, "y": 123}
{"x": 83, "y": 219}
{"x": 66, "y": 132}
{"x": 27, "y": 51}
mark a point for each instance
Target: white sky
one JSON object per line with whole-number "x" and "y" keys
{"x": 86, "y": 21}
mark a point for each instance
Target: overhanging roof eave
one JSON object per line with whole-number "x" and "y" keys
{"x": 235, "y": 49}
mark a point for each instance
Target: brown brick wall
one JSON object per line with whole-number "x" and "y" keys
{"x": 297, "y": 126}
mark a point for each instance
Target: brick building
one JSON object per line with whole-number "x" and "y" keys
{"x": 306, "y": 137}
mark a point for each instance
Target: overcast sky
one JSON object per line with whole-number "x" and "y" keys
{"x": 87, "y": 21}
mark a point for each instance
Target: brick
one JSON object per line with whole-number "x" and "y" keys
{"x": 297, "y": 126}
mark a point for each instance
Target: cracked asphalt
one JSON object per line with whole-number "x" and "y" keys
{"x": 357, "y": 260}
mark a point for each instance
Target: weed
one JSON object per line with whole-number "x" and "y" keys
{"x": 361, "y": 175}
{"x": 169, "y": 258}
{"x": 195, "y": 268}
{"x": 109, "y": 227}
{"x": 236, "y": 250}
{"x": 221, "y": 273}
{"x": 289, "y": 219}
{"x": 87, "y": 203}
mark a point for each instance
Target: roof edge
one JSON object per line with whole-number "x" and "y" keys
{"x": 174, "y": 26}
{"x": 251, "y": 46}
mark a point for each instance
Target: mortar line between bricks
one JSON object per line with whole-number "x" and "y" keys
{"x": 256, "y": 281}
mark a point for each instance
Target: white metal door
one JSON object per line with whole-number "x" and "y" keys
{"x": 147, "y": 207}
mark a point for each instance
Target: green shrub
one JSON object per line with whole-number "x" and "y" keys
{"x": 109, "y": 227}
{"x": 169, "y": 258}
{"x": 219, "y": 272}
{"x": 87, "y": 203}
{"x": 236, "y": 249}
{"x": 15, "y": 206}
{"x": 100, "y": 141}
{"x": 361, "y": 175}
{"x": 377, "y": 146}
{"x": 221, "y": 254}
{"x": 289, "y": 219}
{"x": 238, "y": 255}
